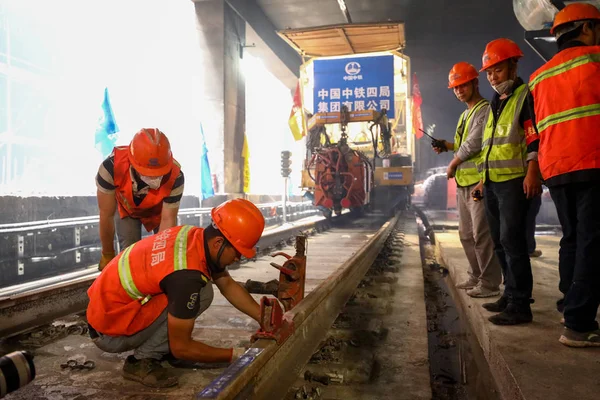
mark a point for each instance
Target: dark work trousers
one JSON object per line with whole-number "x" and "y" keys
{"x": 129, "y": 230}
{"x": 578, "y": 208}
{"x": 534, "y": 209}
{"x": 506, "y": 208}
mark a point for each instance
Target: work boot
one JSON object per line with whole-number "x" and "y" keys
{"x": 468, "y": 284}
{"x": 148, "y": 372}
{"x": 497, "y": 306}
{"x": 480, "y": 291}
{"x": 573, "y": 338}
{"x": 535, "y": 253}
{"x": 513, "y": 314}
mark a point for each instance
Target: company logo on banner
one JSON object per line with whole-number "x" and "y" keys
{"x": 361, "y": 83}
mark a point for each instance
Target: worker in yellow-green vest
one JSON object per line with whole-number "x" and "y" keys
{"x": 511, "y": 178}
{"x": 484, "y": 272}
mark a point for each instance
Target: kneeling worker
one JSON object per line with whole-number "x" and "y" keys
{"x": 147, "y": 299}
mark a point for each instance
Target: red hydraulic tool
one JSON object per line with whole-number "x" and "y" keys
{"x": 292, "y": 277}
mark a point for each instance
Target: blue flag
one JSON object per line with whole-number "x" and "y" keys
{"x": 206, "y": 186}
{"x": 106, "y": 132}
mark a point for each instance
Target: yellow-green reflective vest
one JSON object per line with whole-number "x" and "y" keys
{"x": 504, "y": 149}
{"x": 468, "y": 172}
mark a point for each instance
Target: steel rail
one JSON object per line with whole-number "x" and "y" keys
{"x": 270, "y": 369}
{"x": 23, "y": 310}
{"x": 66, "y": 222}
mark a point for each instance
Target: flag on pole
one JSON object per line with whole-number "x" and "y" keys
{"x": 417, "y": 100}
{"x": 106, "y": 131}
{"x": 246, "y": 157}
{"x": 206, "y": 184}
{"x": 296, "y": 120}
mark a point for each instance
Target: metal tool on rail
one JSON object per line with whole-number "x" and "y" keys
{"x": 290, "y": 291}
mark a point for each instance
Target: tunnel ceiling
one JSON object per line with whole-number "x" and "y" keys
{"x": 438, "y": 14}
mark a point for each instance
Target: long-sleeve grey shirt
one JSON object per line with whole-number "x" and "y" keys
{"x": 471, "y": 146}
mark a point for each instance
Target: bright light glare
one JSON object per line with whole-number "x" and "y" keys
{"x": 64, "y": 52}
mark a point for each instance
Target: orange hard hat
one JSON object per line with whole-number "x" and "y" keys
{"x": 499, "y": 50}
{"x": 575, "y": 12}
{"x": 150, "y": 152}
{"x": 461, "y": 73}
{"x": 242, "y": 224}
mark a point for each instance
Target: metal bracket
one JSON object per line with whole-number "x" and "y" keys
{"x": 292, "y": 275}
{"x": 273, "y": 321}
{"x": 20, "y": 245}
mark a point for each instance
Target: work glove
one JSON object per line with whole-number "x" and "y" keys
{"x": 236, "y": 353}
{"x": 105, "y": 259}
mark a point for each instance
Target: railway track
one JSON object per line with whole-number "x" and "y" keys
{"x": 339, "y": 254}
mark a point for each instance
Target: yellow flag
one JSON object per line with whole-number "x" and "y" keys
{"x": 296, "y": 120}
{"x": 246, "y": 156}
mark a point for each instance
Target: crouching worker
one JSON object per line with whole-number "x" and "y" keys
{"x": 147, "y": 299}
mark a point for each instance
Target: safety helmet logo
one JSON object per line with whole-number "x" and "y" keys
{"x": 153, "y": 162}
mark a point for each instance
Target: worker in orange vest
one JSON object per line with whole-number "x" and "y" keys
{"x": 569, "y": 157}
{"x": 484, "y": 271}
{"x": 144, "y": 183}
{"x": 147, "y": 298}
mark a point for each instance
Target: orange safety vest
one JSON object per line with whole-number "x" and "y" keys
{"x": 150, "y": 208}
{"x": 127, "y": 297}
{"x": 566, "y": 93}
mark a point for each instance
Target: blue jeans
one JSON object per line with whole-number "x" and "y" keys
{"x": 577, "y": 206}
{"x": 506, "y": 209}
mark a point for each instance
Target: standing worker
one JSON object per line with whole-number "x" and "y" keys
{"x": 570, "y": 162}
{"x": 145, "y": 183}
{"x": 511, "y": 178}
{"x": 147, "y": 299}
{"x": 484, "y": 269}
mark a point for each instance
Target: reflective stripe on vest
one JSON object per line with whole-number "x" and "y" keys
{"x": 504, "y": 148}
{"x": 179, "y": 263}
{"x": 569, "y": 128}
{"x": 568, "y": 115}
{"x": 564, "y": 67}
{"x": 180, "y": 253}
{"x": 468, "y": 172}
{"x": 127, "y": 280}
{"x": 572, "y": 113}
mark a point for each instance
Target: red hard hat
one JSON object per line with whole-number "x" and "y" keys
{"x": 499, "y": 50}
{"x": 150, "y": 153}
{"x": 461, "y": 73}
{"x": 575, "y": 12}
{"x": 242, "y": 224}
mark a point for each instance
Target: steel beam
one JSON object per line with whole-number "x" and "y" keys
{"x": 253, "y": 14}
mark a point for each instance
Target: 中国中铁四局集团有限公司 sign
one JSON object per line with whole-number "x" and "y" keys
{"x": 359, "y": 83}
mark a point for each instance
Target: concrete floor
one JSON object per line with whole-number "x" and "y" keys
{"x": 527, "y": 361}
{"x": 221, "y": 325}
